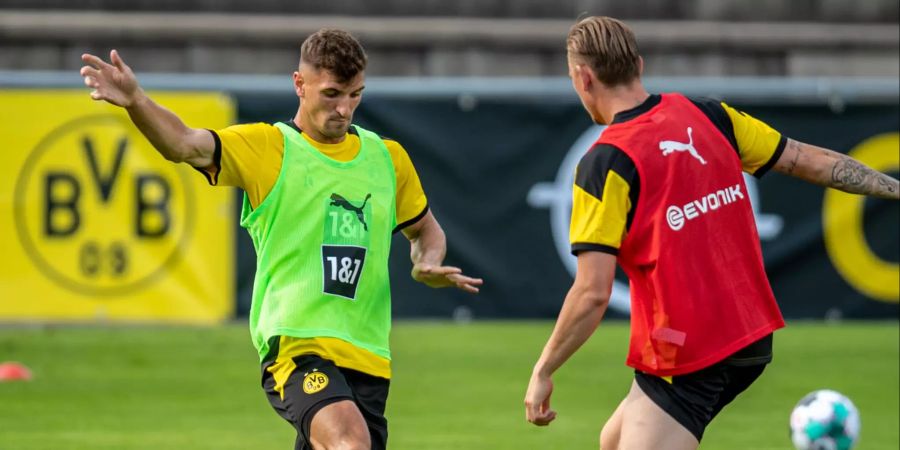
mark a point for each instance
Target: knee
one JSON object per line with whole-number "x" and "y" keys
{"x": 352, "y": 443}
{"x": 355, "y": 439}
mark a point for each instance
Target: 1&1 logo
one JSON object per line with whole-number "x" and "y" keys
{"x": 98, "y": 210}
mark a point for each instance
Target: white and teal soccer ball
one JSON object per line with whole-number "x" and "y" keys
{"x": 825, "y": 420}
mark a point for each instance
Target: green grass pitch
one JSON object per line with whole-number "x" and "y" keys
{"x": 456, "y": 387}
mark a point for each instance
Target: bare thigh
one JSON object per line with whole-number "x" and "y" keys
{"x": 612, "y": 430}
{"x": 645, "y": 426}
{"x": 339, "y": 425}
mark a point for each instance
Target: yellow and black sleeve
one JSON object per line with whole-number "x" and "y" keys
{"x": 604, "y": 194}
{"x": 757, "y": 144}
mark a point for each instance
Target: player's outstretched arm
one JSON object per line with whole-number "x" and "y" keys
{"x": 428, "y": 246}
{"x": 115, "y": 83}
{"x": 580, "y": 315}
{"x": 832, "y": 169}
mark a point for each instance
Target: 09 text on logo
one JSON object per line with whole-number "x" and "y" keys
{"x": 98, "y": 210}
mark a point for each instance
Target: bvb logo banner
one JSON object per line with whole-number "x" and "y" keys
{"x": 105, "y": 226}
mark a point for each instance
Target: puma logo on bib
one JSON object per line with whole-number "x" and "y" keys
{"x": 345, "y": 244}
{"x": 337, "y": 200}
{"x": 669, "y": 147}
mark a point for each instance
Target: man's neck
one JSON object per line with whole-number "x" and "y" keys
{"x": 309, "y": 130}
{"x": 621, "y": 98}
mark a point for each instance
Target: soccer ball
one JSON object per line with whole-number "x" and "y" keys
{"x": 824, "y": 420}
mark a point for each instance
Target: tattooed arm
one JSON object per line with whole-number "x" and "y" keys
{"x": 832, "y": 169}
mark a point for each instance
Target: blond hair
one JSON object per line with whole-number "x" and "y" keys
{"x": 608, "y": 47}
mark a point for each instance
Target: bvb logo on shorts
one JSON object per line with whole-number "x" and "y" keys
{"x": 314, "y": 382}
{"x": 98, "y": 210}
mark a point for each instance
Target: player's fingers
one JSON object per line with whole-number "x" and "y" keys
{"x": 96, "y": 95}
{"x": 468, "y": 287}
{"x": 117, "y": 60}
{"x": 88, "y": 71}
{"x": 543, "y": 419}
{"x": 458, "y": 278}
{"x": 545, "y": 414}
{"x": 545, "y": 405}
{"x": 530, "y": 411}
{"x": 91, "y": 82}
{"x": 549, "y": 417}
{"x": 446, "y": 270}
{"x": 462, "y": 280}
{"x": 94, "y": 61}
{"x": 534, "y": 412}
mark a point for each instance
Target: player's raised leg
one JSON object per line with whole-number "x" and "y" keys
{"x": 646, "y": 426}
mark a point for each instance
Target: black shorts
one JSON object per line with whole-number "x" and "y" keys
{"x": 316, "y": 383}
{"x": 694, "y": 399}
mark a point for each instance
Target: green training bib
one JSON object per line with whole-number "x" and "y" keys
{"x": 322, "y": 239}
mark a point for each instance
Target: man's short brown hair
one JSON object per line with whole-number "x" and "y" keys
{"x": 336, "y": 51}
{"x": 608, "y": 46}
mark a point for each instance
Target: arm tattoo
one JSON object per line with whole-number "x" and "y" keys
{"x": 797, "y": 149}
{"x": 849, "y": 175}
{"x": 885, "y": 183}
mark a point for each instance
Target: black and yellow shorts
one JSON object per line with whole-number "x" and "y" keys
{"x": 694, "y": 399}
{"x": 316, "y": 383}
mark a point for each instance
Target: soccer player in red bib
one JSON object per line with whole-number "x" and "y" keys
{"x": 662, "y": 194}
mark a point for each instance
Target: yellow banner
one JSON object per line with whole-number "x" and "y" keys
{"x": 96, "y": 225}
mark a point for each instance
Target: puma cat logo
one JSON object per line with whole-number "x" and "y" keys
{"x": 668, "y": 147}
{"x": 338, "y": 200}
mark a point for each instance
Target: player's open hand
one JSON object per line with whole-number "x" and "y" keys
{"x": 445, "y": 276}
{"x": 537, "y": 401}
{"x": 114, "y": 83}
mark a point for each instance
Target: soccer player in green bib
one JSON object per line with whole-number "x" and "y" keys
{"x": 322, "y": 200}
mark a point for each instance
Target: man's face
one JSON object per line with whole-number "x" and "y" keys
{"x": 327, "y": 103}
{"x": 582, "y": 82}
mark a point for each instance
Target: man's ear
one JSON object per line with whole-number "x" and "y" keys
{"x": 585, "y": 76}
{"x": 298, "y": 84}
